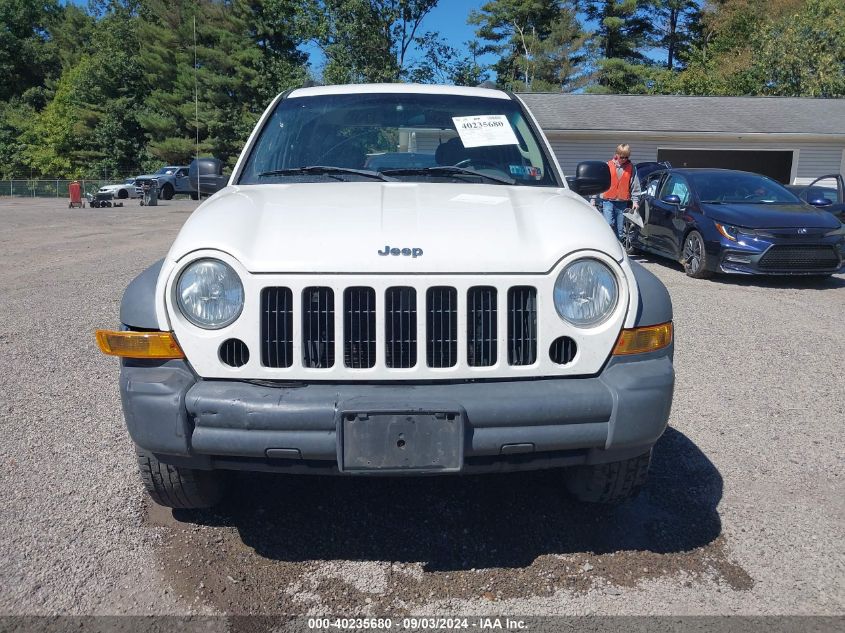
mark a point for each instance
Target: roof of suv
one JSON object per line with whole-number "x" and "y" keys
{"x": 398, "y": 88}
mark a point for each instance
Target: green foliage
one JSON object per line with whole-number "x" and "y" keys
{"x": 370, "y": 40}
{"x": 540, "y": 43}
{"x": 27, "y": 54}
{"x": 241, "y": 64}
{"x": 111, "y": 88}
{"x": 804, "y": 54}
{"x": 677, "y": 23}
{"x": 784, "y": 48}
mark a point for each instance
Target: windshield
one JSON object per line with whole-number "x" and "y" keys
{"x": 409, "y": 137}
{"x": 733, "y": 187}
{"x": 166, "y": 171}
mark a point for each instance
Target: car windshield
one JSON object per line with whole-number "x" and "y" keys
{"x": 398, "y": 136}
{"x": 166, "y": 171}
{"x": 740, "y": 187}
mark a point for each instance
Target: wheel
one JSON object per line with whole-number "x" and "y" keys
{"x": 609, "y": 483}
{"x": 195, "y": 195}
{"x": 166, "y": 192}
{"x": 122, "y": 194}
{"x": 176, "y": 487}
{"x": 695, "y": 256}
{"x": 629, "y": 237}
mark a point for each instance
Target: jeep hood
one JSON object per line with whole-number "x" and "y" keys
{"x": 341, "y": 227}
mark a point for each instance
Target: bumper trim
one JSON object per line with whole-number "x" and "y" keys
{"x": 623, "y": 410}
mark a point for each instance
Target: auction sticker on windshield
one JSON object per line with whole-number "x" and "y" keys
{"x": 484, "y": 130}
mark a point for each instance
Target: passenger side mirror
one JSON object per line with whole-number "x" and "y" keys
{"x": 672, "y": 199}
{"x": 591, "y": 177}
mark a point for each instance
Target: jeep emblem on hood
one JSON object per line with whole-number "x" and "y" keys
{"x": 407, "y": 252}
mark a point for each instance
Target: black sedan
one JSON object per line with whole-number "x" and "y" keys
{"x": 720, "y": 220}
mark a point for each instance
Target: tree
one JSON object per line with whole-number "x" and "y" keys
{"x": 769, "y": 47}
{"x": 27, "y": 55}
{"x": 240, "y": 66}
{"x": 443, "y": 64}
{"x": 625, "y": 29}
{"x": 365, "y": 40}
{"x": 281, "y": 64}
{"x": 539, "y": 43}
{"x": 677, "y": 23}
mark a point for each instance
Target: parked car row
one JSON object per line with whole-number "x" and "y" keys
{"x": 735, "y": 222}
{"x": 203, "y": 177}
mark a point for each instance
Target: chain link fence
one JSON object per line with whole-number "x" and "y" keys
{"x": 49, "y": 188}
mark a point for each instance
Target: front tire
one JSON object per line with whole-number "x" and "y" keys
{"x": 166, "y": 192}
{"x": 609, "y": 483}
{"x": 177, "y": 487}
{"x": 694, "y": 259}
{"x": 629, "y": 237}
{"x": 122, "y": 194}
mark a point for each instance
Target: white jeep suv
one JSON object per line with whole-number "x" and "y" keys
{"x": 397, "y": 280}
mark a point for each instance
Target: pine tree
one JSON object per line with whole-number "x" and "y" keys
{"x": 540, "y": 44}
{"x": 625, "y": 29}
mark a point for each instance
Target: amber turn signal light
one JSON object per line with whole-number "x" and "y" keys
{"x": 160, "y": 345}
{"x": 640, "y": 340}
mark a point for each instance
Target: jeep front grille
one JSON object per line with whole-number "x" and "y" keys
{"x": 482, "y": 319}
{"x": 277, "y": 327}
{"x": 395, "y": 343}
{"x": 441, "y": 326}
{"x": 359, "y": 327}
{"x": 317, "y": 327}
{"x": 522, "y": 325}
{"x": 400, "y": 327}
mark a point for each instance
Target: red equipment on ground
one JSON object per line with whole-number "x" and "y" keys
{"x": 74, "y": 190}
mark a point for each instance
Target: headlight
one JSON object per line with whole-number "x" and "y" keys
{"x": 834, "y": 232}
{"x": 585, "y": 293}
{"x": 210, "y": 294}
{"x": 728, "y": 231}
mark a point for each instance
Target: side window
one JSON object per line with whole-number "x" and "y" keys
{"x": 652, "y": 184}
{"x": 676, "y": 186}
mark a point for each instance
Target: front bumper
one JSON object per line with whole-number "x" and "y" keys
{"x": 779, "y": 256}
{"x": 507, "y": 425}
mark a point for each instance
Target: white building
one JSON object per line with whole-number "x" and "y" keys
{"x": 793, "y": 140}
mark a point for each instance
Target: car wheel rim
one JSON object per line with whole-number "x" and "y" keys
{"x": 693, "y": 253}
{"x": 628, "y": 236}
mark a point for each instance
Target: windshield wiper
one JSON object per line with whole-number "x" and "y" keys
{"x": 448, "y": 170}
{"x": 327, "y": 170}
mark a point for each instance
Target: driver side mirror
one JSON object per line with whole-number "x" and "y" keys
{"x": 820, "y": 202}
{"x": 591, "y": 177}
{"x": 672, "y": 199}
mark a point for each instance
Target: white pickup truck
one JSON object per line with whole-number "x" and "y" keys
{"x": 331, "y": 311}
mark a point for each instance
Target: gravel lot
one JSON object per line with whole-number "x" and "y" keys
{"x": 744, "y": 512}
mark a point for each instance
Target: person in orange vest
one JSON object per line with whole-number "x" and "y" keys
{"x": 624, "y": 192}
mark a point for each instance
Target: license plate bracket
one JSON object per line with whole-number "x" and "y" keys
{"x": 401, "y": 442}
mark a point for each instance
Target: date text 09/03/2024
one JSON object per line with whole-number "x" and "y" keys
{"x": 417, "y": 624}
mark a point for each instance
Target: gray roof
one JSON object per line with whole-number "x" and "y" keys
{"x": 647, "y": 113}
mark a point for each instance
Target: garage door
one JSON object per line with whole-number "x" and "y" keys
{"x": 774, "y": 164}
